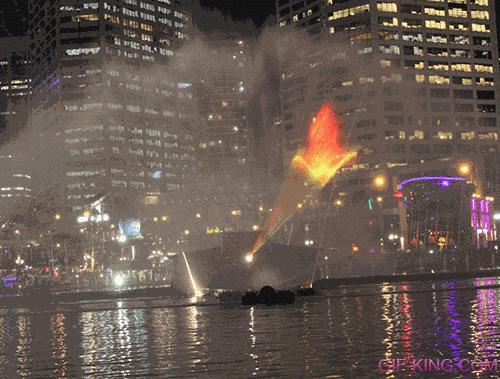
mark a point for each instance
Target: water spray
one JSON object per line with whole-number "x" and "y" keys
{"x": 311, "y": 169}
{"x": 196, "y": 290}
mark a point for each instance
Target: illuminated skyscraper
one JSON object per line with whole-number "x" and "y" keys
{"x": 14, "y": 80}
{"x": 416, "y": 85}
{"x": 413, "y": 80}
{"x": 225, "y": 136}
{"x": 107, "y": 96}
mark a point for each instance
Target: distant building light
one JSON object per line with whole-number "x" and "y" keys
{"x": 441, "y": 179}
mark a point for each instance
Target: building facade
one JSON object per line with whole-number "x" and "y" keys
{"x": 15, "y": 83}
{"x": 415, "y": 83}
{"x": 418, "y": 80}
{"x": 104, "y": 87}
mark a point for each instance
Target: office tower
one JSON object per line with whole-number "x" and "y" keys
{"x": 224, "y": 139}
{"x": 446, "y": 49}
{"x": 15, "y": 85}
{"x": 107, "y": 96}
{"x": 414, "y": 82}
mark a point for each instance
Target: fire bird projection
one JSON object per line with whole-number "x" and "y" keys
{"x": 311, "y": 169}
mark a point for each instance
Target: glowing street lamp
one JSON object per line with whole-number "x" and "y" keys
{"x": 379, "y": 181}
{"x": 464, "y": 168}
{"x": 186, "y": 232}
{"x": 249, "y": 258}
{"x": 57, "y": 216}
{"x": 86, "y": 214}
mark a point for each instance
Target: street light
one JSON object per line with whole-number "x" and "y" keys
{"x": 379, "y": 181}
{"x": 57, "y": 216}
{"x": 464, "y": 168}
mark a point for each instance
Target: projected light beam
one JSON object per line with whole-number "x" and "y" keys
{"x": 317, "y": 164}
{"x": 196, "y": 290}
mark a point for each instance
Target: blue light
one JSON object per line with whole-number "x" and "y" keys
{"x": 130, "y": 228}
{"x": 157, "y": 174}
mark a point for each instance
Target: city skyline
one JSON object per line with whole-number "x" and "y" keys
{"x": 249, "y": 188}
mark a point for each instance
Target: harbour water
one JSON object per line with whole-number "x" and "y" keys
{"x": 345, "y": 333}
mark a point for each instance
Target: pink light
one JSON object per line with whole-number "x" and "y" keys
{"x": 487, "y": 216}
{"x": 473, "y": 205}
{"x": 482, "y": 221}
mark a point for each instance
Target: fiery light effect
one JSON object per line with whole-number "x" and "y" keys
{"x": 324, "y": 155}
{"x": 196, "y": 290}
{"x": 317, "y": 164}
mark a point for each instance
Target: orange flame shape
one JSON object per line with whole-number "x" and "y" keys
{"x": 318, "y": 163}
{"x": 324, "y": 155}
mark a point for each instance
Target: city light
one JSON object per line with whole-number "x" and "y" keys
{"x": 198, "y": 215}
{"x": 379, "y": 181}
{"x": 249, "y": 258}
{"x": 438, "y": 179}
{"x": 57, "y": 216}
{"x": 464, "y": 168}
{"x": 496, "y": 216}
{"x": 119, "y": 280}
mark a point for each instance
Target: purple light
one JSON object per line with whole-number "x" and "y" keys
{"x": 487, "y": 216}
{"x": 473, "y": 205}
{"x": 8, "y": 282}
{"x": 482, "y": 221}
{"x": 444, "y": 181}
{"x": 445, "y": 184}
{"x": 54, "y": 83}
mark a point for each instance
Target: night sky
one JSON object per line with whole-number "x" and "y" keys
{"x": 243, "y": 12}
{"x": 13, "y": 17}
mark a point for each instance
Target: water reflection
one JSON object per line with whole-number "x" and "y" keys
{"x": 59, "y": 347}
{"x": 345, "y": 334}
{"x": 485, "y": 326}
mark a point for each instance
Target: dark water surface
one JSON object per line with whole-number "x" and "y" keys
{"x": 344, "y": 334}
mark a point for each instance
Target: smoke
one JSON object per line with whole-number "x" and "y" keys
{"x": 310, "y": 69}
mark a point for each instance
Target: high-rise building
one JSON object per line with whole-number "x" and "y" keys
{"x": 225, "y": 137}
{"x": 107, "y": 96}
{"x": 444, "y": 49}
{"x": 413, "y": 81}
{"x": 15, "y": 83}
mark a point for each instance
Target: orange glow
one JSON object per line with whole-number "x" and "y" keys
{"x": 324, "y": 155}
{"x": 317, "y": 164}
